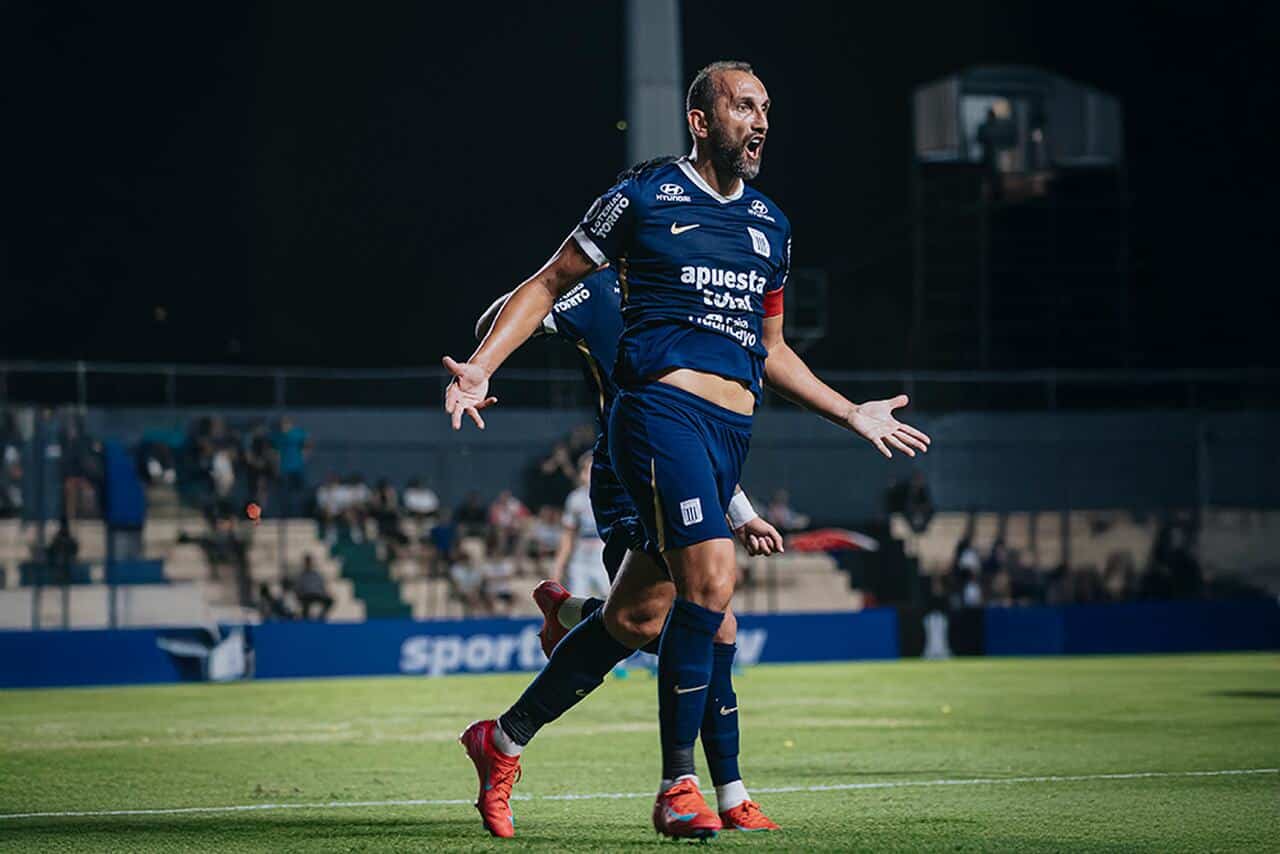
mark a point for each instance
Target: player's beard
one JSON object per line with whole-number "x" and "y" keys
{"x": 731, "y": 157}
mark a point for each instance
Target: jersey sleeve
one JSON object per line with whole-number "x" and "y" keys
{"x": 773, "y": 296}
{"x": 605, "y": 232}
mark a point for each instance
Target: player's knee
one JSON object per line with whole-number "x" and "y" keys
{"x": 712, "y": 589}
{"x": 635, "y": 625}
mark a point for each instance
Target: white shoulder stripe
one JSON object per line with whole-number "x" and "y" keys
{"x": 589, "y": 246}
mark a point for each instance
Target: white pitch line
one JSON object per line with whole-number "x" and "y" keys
{"x": 596, "y": 796}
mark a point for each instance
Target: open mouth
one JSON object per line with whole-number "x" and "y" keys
{"x": 754, "y": 147}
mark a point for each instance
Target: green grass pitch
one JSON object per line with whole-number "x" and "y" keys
{"x": 915, "y": 756}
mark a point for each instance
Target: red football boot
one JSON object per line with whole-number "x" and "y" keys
{"x": 681, "y": 813}
{"x": 549, "y": 596}
{"x": 746, "y": 816}
{"x": 498, "y": 772}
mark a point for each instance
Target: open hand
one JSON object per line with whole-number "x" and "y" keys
{"x": 874, "y": 422}
{"x": 469, "y": 392}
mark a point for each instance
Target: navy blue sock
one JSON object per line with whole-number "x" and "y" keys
{"x": 720, "y": 722}
{"x": 578, "y": 665}
{"x": 684, "y": 679}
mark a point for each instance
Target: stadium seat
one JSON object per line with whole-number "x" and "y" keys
{"x": 137, "y": 572}
{"x": 39, "y": 573}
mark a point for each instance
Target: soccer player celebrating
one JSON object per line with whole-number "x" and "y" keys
{"x": 702, "y": 259}
{"x": 588, "y": 316}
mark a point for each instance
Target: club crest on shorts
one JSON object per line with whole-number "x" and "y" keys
{"x": 691, "y": 511}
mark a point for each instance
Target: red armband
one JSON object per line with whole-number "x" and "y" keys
{"x": 773, "y": 303}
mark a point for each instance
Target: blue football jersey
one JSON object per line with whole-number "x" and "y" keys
{"x": 693, "y": 267}
{"x": 588, "y": 317}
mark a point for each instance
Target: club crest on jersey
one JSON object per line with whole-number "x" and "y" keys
{"x": 759, "y": 242}
{"x": 672, "y": 193}
{"x": 760, "y": 209}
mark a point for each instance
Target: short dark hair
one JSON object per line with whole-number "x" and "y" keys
{"x": 702, "y": 91}
{"x": 644, "y": 166}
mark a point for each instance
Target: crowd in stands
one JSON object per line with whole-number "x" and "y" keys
{"x": 479, "y": 547}
{"x": 483, "y": 543}
{"x": 1006, "y": 577}
{"x": 220, "y": 468}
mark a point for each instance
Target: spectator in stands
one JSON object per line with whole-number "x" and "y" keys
{"x": 384, "y": 507}
{"x": 293, "y": 447}
{"x": 553, "y": 478}
{"x": 966, "y": 557}
{"x": 544, "y": 534}
{"x": 498, "y": 570}
{"x": 359, "y": 498}
{"x": 1001, "y": 589}
{"x": 419, "y": 501}
{"x": 997, "y": 559}
{"x": 918, "y": 507}
{"x": 227, "y": 552}
{"x": 1118, "y": 577}
{"x": 442, "y": 536}
{"x": 272, "y": 607}
{"x": 1173, "y": 554}
{"x": 329, "y": 500}
{"x": 10, "y": 466}
{"x": 507, "y": 518}
{"x": 913, "y": 501}
{"x": 470, "y": 517}
{"x": 783, "y": 516}
{"x": 997, "y": 135}
{"x": 967, "y": 592}
{"x": 261, "y": 464}
{"x": 81, "y": 467}
{"x": 311, "y": 590}
{"x": 468, "y": 577}
{"x": 156, "y": 463}
{"x": 1026, "y": 585}
{"x": 218, "y": 455}
{"x": 61, "y": 553}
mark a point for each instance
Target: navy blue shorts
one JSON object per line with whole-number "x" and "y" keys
{"x": 679, "y": 457}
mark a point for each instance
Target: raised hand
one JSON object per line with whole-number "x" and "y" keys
{"x": 469, "y": 392}
{"x": 759, "y": 538}
{"x": 874, "y": 422}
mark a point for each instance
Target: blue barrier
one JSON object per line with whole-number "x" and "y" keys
{"x": 388, "y": 647}
{"x": 441, "y": 647}
{"x": 438, "y": 648}
{"x": 1136, "y": 627}
{"x": 85, "y": 657}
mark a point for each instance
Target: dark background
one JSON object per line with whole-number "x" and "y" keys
{"x": 313, "y": 184}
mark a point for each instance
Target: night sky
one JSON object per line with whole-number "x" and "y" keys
{"x": 349, "y": 184}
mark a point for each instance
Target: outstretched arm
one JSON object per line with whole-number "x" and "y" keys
{"x": 485, "y": 322}
{"x": 516, "y": 321}
{"x": 787, "y": 374}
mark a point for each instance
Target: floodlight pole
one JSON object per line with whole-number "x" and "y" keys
{"x": 655, "y": 98}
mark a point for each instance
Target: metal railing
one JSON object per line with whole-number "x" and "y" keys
{"x": 185, "y": 386}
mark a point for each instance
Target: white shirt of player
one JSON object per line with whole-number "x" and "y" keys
{"x": 586, "y": 575}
